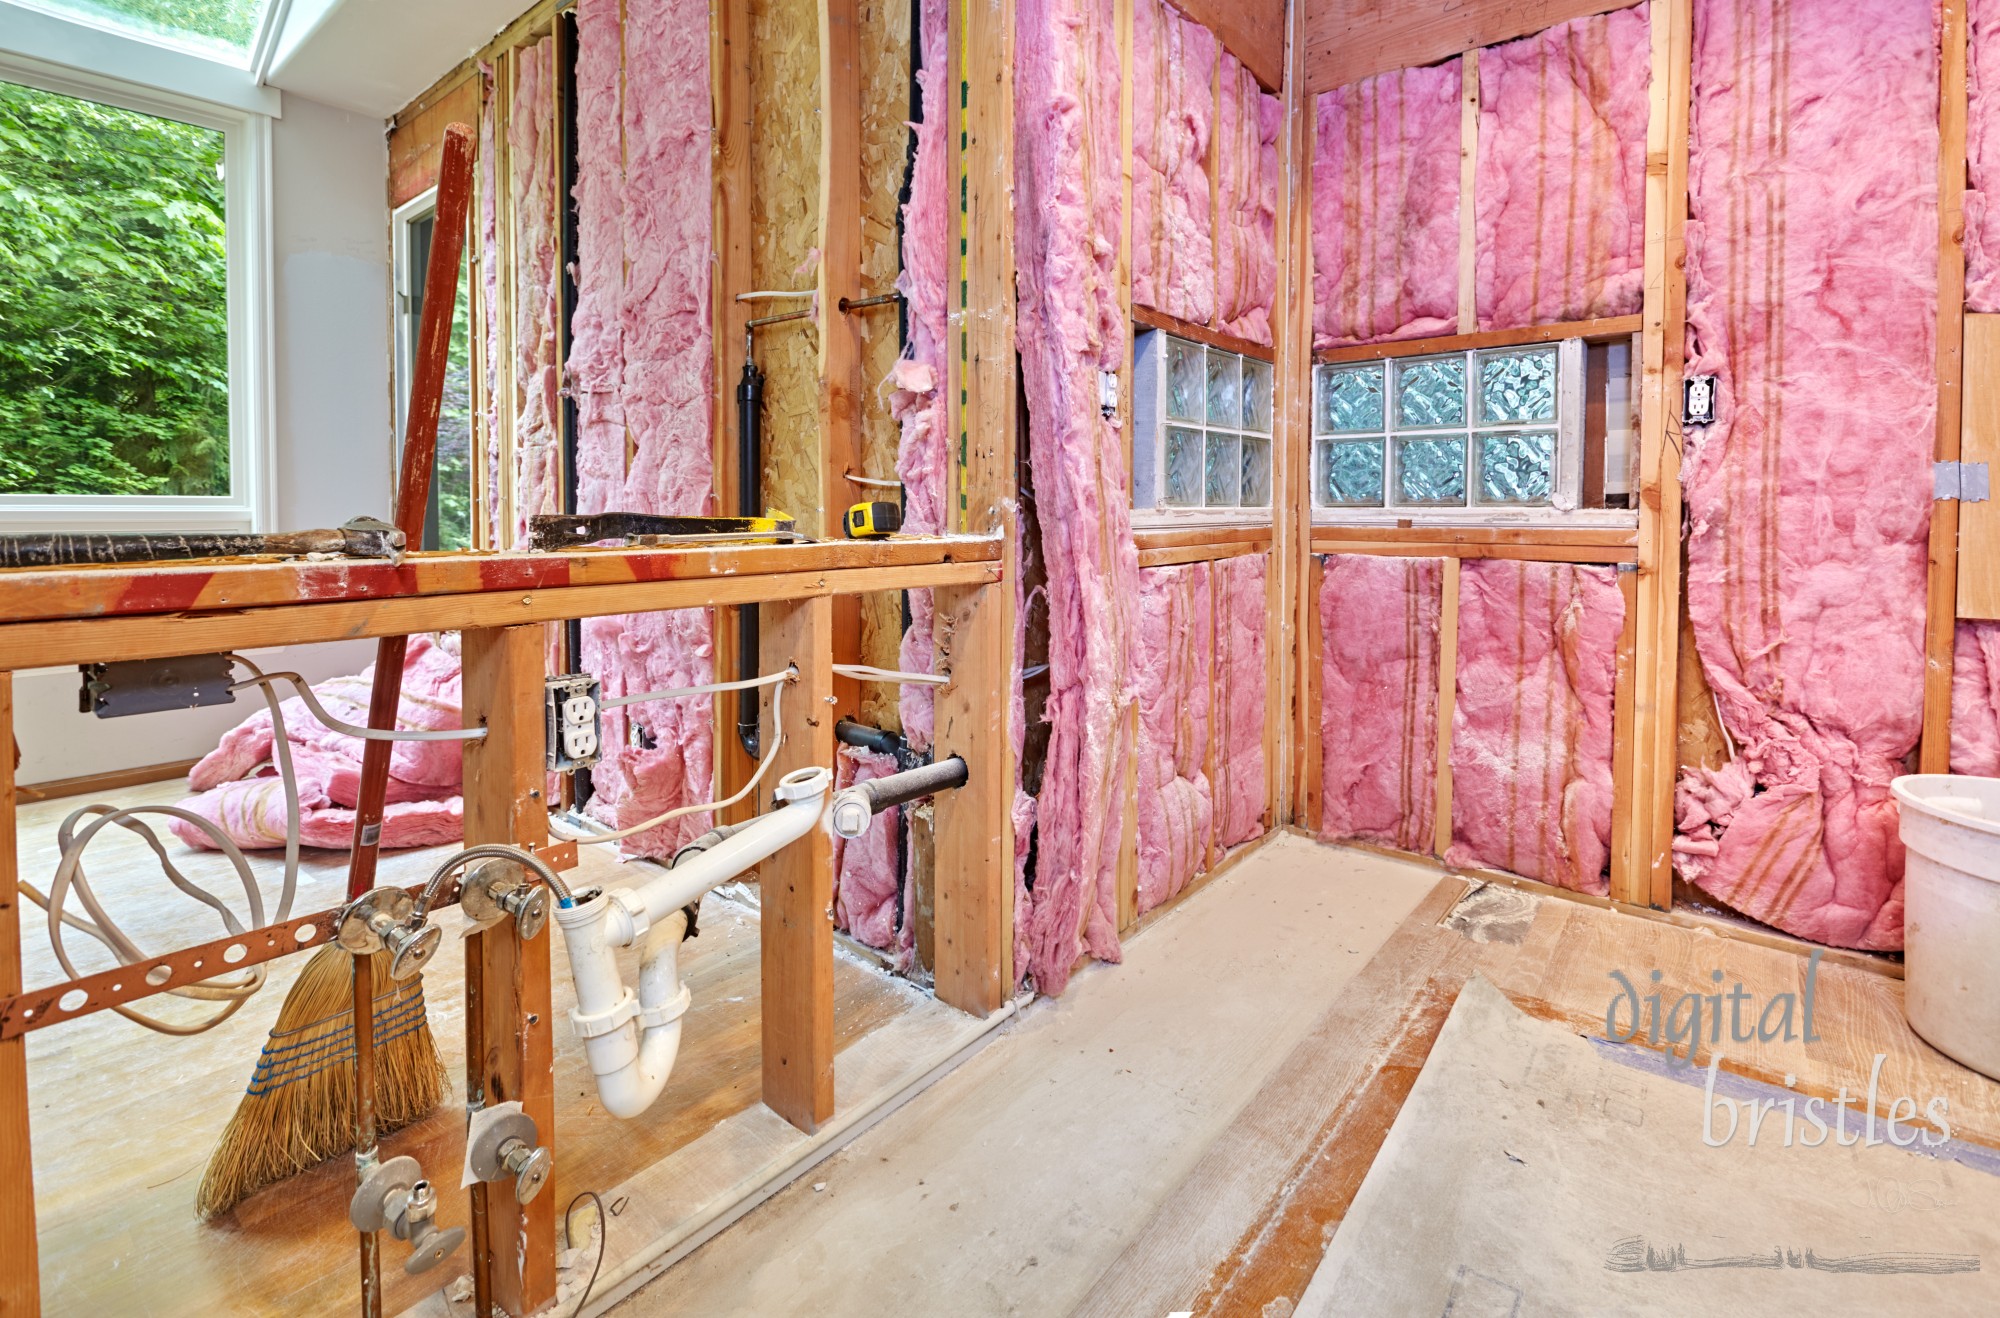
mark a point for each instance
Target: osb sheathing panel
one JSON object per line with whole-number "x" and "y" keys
{"x": 416, "y": 140}
{"x": 784, "y": 217}
{"x": 884, "y": 31}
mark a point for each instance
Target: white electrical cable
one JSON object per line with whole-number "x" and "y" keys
{"x": 366, "y": 734}
{"x": 777, "y": 295}
{"x": 70, "y": 875}
{"x": 868, "y": 673}
{"x": 712, "y": 688}
{"x": 777, "y": 740}
{"x": 870, "y": 480}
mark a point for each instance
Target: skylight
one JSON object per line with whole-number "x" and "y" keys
{"x": 220, "y": 29}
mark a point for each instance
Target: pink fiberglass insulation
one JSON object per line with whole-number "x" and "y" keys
{"x": 532, "y": 162}
{"x": 1812, "y": 283}
{"x": 1982, "y": 157}
{"x": 1173, "y": 655}
{"x": 1975, "y": 700}
{"x": 238, "y": 788}
{"x": 1379, "y": 699}
{"x": 1071, "y": 326}
{"x": 1385, "y": 208}
{"x": 1560, "y": 197}
{"x": 1173, "y": 112}
{"x": 865, "y": 896}
{"x": 639, "y": 368}
{"x": 1241, "y": 681}
{"x": 1246, "y": 204}
{"x": 923, "y": 458}
{"x": 1531, "y": 728}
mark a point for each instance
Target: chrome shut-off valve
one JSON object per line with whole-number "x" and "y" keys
{"x": 505, "y": 1147}
{"x": 381, "y": 920}
{"x": 395, "y": 1197}
{"x": 499, "y": 889}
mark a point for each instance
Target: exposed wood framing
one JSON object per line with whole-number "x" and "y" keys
{"x": 1540, "y": 544}
{"x": 1128, "y": 841}
{"x": 1251, "y": 30}
{"x": 729, "y": 83}
{"x": 1187, "y": 329}
{"x": 1642, "y": 873}
{"x": 1183, "y": 537}
{"x": 20, "y": 1275}
{"x": 1604, "y": 328}
{"x": 58, "y": 788}
{"x": 416, "y": 139}
{"x": 974, "y": 825}
{"x": 1291, "y": 494}
{"x": 504, "y": 781}
{"x": 1348, "y": 42}
{"x": 796, "y": 885}
{"x": 1941, "y": 610}
{"x": 1447, "y": 703}
{"x": 1168, "y": 556}
{"x": 1468, "y": 179}
{"x": 1312, "y": 753}
{"x": 1623, "y": 685}
{"x": 840, "y": 278}
{"x": 1979, "y": 523}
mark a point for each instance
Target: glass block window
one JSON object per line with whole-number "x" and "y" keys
{"x": 1456, "y": 432}
{"x": 1201, "y": 435}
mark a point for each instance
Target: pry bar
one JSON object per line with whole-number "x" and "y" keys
{"x": 364, "y": 537}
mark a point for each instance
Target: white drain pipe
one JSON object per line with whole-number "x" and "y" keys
{"x": 632, "y": 1040}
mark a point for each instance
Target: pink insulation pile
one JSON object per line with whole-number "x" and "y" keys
{"x": 923, "y": 458}
{"x": 240, "y": 790}
{"x": 1246, "y": 203}
{"x": 532, "y": 163}
{"x": 1812, "y": 296}
{"x": 1982, "y": 157}
{"x": 1385, "y": 208}
{"x": 1071, "y": 327}
{"x": 1173, "y": 114}
{"x": 1241, "y": 790}
{"x": 866, "y": 891}
{"x": 1560, "y": 195}
{"x": 639, "y": 368}
{"x": 1531, "y": 728}
{"x": 1975, "y": 700}
{"x": 1379, "y": 699}
{"x": 1173, "y": 656}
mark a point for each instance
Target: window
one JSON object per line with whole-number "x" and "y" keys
{"x": 1473, "y": 435}
{"x": 1201, "y": 427}
{"x": 131, "y": 327}
{"x": 448, "y": 522}
{"x": 226, "y": 28}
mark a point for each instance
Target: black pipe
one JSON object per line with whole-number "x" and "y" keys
{"x": 581, "y": 787}
{"x": 850, "y": 733}
{"x": 749, "y": 495}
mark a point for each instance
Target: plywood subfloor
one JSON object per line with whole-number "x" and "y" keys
{"x": 1494, "y": 1194}
{"x": 124, "y": 1118}
{"x": 1010, "y": 1184}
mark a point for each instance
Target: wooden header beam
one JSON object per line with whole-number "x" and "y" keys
{"x": 1348, "y": 42}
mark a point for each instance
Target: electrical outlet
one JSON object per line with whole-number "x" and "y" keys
{"x": 575, "y": 717}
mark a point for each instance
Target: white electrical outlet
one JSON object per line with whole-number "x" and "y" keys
{"x": 575, "y": 714}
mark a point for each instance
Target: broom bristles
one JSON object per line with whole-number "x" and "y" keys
{"x": 299, "y": 1108}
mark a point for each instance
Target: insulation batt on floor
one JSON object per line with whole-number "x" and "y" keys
{"x": 1379, "y": 699}
{"x": 640, "y": 368}
{"x": 1812, "y": 297}
{"x": 1560, "y": 195}
{"x": 1173, "y": 658}
{"x": 1531, "y": 726}
{"x": 1071, "y": 327}
{"x": 239, "y": 788}
{"x": 1385, "y": 207}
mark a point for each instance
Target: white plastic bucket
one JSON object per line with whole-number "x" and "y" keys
{"x": 1951, "y": 914}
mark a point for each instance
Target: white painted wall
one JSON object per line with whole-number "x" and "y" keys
{"x": 330, "y": 256}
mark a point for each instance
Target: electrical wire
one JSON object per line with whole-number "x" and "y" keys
{"x": 776, "y": 294}
{"x": 367, "y": 734}
{"x": 603, "y": 1234}
{"x": 873, "y": 481}
{"x": 777, "y": 741}
{"x": 711, "y": 688}
{"x": 869, "y": 673}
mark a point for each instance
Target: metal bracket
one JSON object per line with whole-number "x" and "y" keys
{"x": 151, "y": 686}
{"x": 1963, "y": 481}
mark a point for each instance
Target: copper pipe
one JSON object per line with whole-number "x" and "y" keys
{"x": 475, "y": 1101}
{"x": 364, "y": 1124}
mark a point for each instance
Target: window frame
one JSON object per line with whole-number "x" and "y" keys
{"x": 247, "y": 243}
{"x": 1563, "y": 508}
{"x": 1150, "y": 423}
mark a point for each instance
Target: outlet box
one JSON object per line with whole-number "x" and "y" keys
{"x": 575, "y": 719}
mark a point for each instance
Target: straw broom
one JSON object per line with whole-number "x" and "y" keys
{"x": 300, "y": 1106}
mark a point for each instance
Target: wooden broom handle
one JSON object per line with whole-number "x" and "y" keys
{"x": 413, "y": 489}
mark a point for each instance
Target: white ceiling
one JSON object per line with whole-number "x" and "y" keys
{"x": 376, "y": 56}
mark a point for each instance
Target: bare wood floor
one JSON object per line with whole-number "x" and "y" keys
{"x": 124, "y": 1118}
